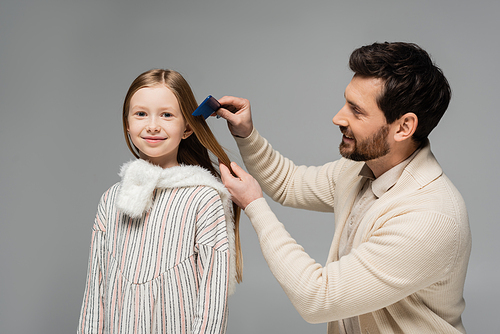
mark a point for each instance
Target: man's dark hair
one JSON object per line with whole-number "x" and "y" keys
{"x": 412, "y": 83}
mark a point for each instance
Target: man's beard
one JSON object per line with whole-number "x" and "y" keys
{"x": 368, "y": 149}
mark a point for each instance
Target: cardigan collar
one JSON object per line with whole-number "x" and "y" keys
{"x": 424, "y": 168}
{"x": 386, "y": 181}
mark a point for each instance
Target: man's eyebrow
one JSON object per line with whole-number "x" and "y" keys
{"x": 353, "y": 104}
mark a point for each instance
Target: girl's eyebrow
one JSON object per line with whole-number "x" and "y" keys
{"x": 138, "y": 106}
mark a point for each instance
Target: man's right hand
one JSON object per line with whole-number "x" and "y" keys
{"x": 236, "y": 111}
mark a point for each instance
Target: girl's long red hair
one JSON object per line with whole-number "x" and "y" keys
{"x": 195, "y": 149}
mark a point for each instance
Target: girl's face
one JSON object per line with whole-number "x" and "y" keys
{"x": 156, "y": 125}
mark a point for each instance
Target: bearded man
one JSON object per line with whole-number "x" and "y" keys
{"x": 399, "y": 256}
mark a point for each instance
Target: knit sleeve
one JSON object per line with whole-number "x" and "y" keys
{"x": 92, "y": 310}
{"x": 212, "y": 265}
{"x": 310, "y": 188}
{"x": 407, "y": 253}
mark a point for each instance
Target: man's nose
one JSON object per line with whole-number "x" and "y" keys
{"x": 339, "y": 119}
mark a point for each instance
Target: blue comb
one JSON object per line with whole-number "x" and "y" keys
{"x": 207, "y": 107}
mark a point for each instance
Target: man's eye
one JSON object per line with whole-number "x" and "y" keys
{"x": 355, "y": 111}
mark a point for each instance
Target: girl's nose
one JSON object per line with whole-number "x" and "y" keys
{"x": 153, "y": 127}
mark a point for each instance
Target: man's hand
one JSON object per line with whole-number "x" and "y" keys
{"x": 236, "y": 111}
{"x": 243, "y": 188}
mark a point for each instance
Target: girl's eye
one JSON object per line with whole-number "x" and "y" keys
{"x": 167, "y": 115}
{"x": 140, "y": 113}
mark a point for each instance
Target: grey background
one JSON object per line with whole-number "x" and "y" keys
{"x": 65, "y": 67}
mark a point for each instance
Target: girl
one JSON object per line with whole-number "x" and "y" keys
{"x": 165, "y": 252}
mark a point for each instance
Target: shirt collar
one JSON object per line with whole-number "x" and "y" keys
{"x": 386, "y": 181}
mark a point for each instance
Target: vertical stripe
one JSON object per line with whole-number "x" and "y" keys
{"x": 153, "y": 304}
{"x": 162, "y": 232}
{"x": 87, "y": 292}
{"x": 119, "y": 287}
{"x": 101, "y": 309}
{"x": 163, "y": 305}
{"x": 141, "y": 248}
{"x": 137, "y": 297}
{"x": 183, "y": 319}
{"x": 208, "y": 284}
{"x": 193, "y": 269}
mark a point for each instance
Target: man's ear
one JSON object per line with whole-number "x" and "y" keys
{"x": 406, "y": 126}
{"x": 187, "y": 132}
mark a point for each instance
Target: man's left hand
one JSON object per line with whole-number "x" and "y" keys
{"x": 243, "y": 188}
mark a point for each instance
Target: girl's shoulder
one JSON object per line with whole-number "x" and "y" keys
{"x": 110, "y": 194}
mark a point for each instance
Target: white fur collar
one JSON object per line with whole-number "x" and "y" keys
{"x": 140, "y": 178}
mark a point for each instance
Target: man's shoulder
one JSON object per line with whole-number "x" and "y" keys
{"x": 428, "y": 186}
{"x": 424, "y": 167}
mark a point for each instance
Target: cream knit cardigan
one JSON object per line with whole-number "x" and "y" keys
{"x": 407, "y": 269}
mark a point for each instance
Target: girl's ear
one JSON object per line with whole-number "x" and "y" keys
{"x": 187, "y": 132}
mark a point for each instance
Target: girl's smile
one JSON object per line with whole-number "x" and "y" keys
{"x": 153, "y": 140}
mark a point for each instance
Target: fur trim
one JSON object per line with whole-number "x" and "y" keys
{"x": 140, "y": 178}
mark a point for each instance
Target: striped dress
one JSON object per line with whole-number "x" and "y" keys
{"x": 160, "y": 254}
